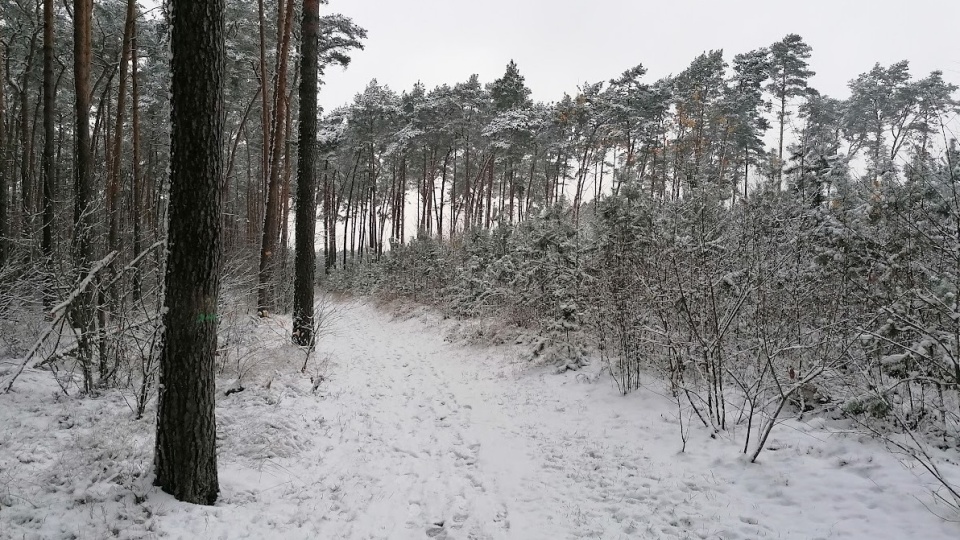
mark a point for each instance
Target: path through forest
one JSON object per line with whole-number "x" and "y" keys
{"x": 422, "y": 438}
{"x": 411, "y": 435}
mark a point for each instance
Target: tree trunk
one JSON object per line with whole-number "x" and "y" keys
{"x": 454, "y": 208}
{"x": 26, "y": 139}
{"x": 114, "y": 184}
{"x": 255, "y": 216}
{"x": 330, "y": 218}
{"x": 49, "y": 133}
{"x": 467, "y": 188}
{"x": 266, "y": 300}
{"x": 346, "y": 219}
{"x": 306, "y": 210}
{"x": 438, "y": 207}
{"x": 186, "y": 458}
{"x": 137, "y": 188}
{"x": 287, "y": 172}
{"x": 4, "y": 189}
{"x": 82, "y": 309}
{"x": 513, "y": 189}
{"x": 493, "y": 161}
{"x": 782, "y": 116}
{"x": 402, "y": 199}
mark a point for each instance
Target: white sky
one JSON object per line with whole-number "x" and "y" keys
{"x": 561, "y": 43}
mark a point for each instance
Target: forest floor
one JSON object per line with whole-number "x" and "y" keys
{"x": 414, "y": 434}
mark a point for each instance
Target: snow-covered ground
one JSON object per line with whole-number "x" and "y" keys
{"x": 411, "y": 435}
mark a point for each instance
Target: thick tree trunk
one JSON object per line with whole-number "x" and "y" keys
{"x": 186, "y": 458}
{"x": 306, "y": 210}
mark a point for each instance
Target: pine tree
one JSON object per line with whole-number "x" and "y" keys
{"x": 789, "y": 75}
{"x": 816, "y": 163}
{"x": 882, "y": 102}
{"x": 186, "y": 453}
{"x": 83, "y": 218}
{"x": 49, "y": 132}
{"x": 745, "y": 106}
{"x": 697, "y": 92}
{"x": 306, "y": 212}
{"x": 510, "y": 92}
{"x": 4, "y": 149}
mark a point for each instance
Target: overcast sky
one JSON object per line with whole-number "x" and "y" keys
{"x": 559, "y": 44}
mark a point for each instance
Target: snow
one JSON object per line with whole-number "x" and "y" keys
{"x": 414, "y": 434}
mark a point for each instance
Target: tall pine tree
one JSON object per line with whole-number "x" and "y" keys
{"x": 788, "y": 78}
{"x": 186, "y": 456}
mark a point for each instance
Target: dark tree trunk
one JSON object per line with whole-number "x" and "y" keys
{"x": 137, "y": 181}
{"x": 82, "y": 309}
{"x": 306, "y": 211}
{"x": 330, "y": 219}
{"x": 491, "y": 195}
{"x": 186, "y": 457}
{"x": 49, "y": 133}
{"x": 287, "y": 174}
{"x": 3, "y": 162}
{"x": 255, "y": 212}
{"x": 781, "y": 115}
{"x": 26, "y": 142}
{"x": 114, "y": 184}
{"x": 346, "y": 219}
{"x": 267, "y": 300}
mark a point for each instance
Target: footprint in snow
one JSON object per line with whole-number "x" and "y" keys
{"x": 436, "y": 530}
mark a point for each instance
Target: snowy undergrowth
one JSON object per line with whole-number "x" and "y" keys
{"x": 81, "y": 467}
{"x": 413, "y": 436}
{"x": 567, "y": 351}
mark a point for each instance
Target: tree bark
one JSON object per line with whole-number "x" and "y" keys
{"x": 186, "y": 458}
{"x": 114, "y": 184}
{"x": 330, "y": 219}
{"x": 49, "y": 133}
{"x": 4, "y": 189}
{"x": 138, "y": 214}
{"x": 82, "y": 309}
{"x": 266, "y": 298}
{"x": 26, "y": 142}
{"x": 306, "y": 211}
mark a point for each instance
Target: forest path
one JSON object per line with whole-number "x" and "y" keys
{"x": 448, "y": 441}
{"x": 427, "y": 438}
